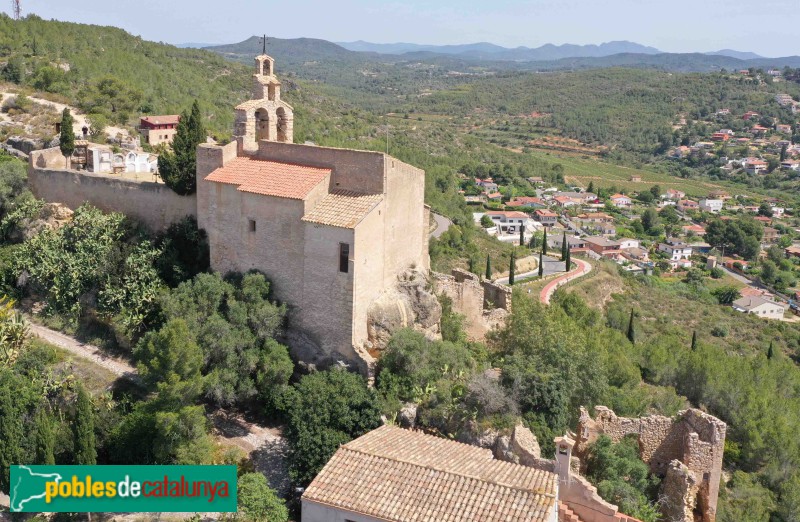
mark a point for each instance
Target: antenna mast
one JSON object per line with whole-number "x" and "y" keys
{"x": 16, "y": 9}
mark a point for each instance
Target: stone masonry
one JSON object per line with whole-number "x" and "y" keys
{"x": 484, "y": 304}
{"x": 341, "y": 233}
{"x": 686, "y": 450}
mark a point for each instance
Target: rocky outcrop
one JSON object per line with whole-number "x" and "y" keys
{"x": 50, "y": 217}
{"x": 410, "y": 304}
{"x": 407, "y": 416}
{"x": 679, "y": 493}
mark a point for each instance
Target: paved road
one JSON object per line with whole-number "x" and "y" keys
{"x": 552, "y": 266}
{"x": 582, "y": 269}
{"x": 442, "y": 224}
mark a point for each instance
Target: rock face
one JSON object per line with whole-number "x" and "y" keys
{"x": 407, "y": 417}
{"x": 411, "y": 304}
{"x": 50, "y": 217}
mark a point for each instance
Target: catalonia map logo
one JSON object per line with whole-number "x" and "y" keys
{"x": 122, "y": 489}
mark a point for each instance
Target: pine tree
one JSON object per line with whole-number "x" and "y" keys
{"x": 83, "y": 429}
{"x": 564, "y": 246}
{"x": 511, "y": 270}
{"x": 770, "y": 351}
{"x": 521, "y": 235}
{"x": 488, "y": 267}
{"x": 568, "y": 263}
{"x": 541, "y": 265}
{"x": 178, "y": 168}
{"x": 544, "y": 242}
{"x": 631, "y": 330}
{"x": 66, "y": 141}
{"x": 44, "y": 437}
{"x": 694, "y": 340}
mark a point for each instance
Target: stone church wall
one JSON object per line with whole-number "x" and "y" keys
{"x": 484, "y": 304}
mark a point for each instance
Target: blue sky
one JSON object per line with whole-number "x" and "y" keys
{"x": 670, "y": 25}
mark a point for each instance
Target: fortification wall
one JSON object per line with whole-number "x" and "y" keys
{"x": 686, "y": 449}
{"x": 154, "y": 204}
{"x": 469, "y": 297}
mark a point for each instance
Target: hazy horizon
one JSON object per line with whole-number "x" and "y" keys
{"x": 677, "y": 26}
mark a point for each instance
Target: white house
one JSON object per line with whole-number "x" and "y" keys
{"x": 711, "y": 205}
{"x": 509, "y": 222}
{"x": 628, "y": 243}
{"x": 676, "y": 250}
{"x": 759, "y": 306}
{"x": 620, "y": 200}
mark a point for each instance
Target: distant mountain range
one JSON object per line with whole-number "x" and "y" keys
{"x": 297, "y": 53}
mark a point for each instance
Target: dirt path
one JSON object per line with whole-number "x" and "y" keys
{"x": 78, "y": 117}
{"x": 265, "y": 445}
{"x": 582, "y": 269}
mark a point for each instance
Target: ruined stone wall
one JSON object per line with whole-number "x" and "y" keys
{"x": 692, "y": 440}
{"x": 469, "y": 299}
{"x": 153, "y": 204}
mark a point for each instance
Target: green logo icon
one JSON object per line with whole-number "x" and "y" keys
{"x": 128, "y": 489}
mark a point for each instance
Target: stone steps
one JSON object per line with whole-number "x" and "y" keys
{"x": 565, "y": 514}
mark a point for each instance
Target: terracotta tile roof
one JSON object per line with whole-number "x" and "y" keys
{"x": 399, "y": 475}
{"x": 269, "y": 178}
{"x": 342, "y": 208}
{"x": 162, "y": 120}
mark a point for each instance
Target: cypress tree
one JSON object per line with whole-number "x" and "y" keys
{"x": 511, "y": 270}
{"x": 178, "y": 168}
{"x": 541, "y": 265}
{"x": 521, "y": 236}
{"x": 694, "y": 340}
{"x": 568, "y": 262}
{"x": 544, "y": 242}
{"x": 472, "y": 264}
{"x": 83, "y": 429}
{"x": 770, "y": 351}
{"x": 564, "y": 246}
{"x": 590, "y": 188}
{"x": 631, "y": 330}
{"x": 66, "y": 141}
{"x": 44, "y": 437}
{"x": 488, "y": 267}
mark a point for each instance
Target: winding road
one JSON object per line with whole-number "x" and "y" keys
{"x": 442, "y": 224}
{"x": 552, "y": 265}
{"x": 583, "y": 268}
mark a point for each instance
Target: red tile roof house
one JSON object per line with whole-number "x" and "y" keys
{"x": 603, "y": 246}
{"x": 750, "y": 115}
{"x": 688, "y": 204}
{"x": 697, "y": 230}
{"x": 674, "y": 194}
{"x": 524, "y": 201}
{"x": 546, "y": 217}
{"x": 158, "y": 129}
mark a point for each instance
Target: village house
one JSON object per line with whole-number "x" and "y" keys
{"x": 790, "y": 165}
{"x": 628, "y": 243}
{"x": 564, "y": 201}
{"x": 603, "y": 246}
{"x": 760, "y": 307}
{"x": 488, "y": 185}
{"x": 755, "y": 166}
{"x": 783, "y": 128}
{"x": 749, "y": 115}
{"x": 770, "y": 235}
{"x": 333, "y": 229}
{"x": 620, "y": 201}
{"x": 792, "y": 251}
{"x": 635, "y": 178}
{"x": 580, "y": 198}
{"x": 764, "y": 220}
{"x": 535, "y": 180}
{"x": 685, "y": 205}
{"x": 636, "y": 254}
{"x": 546, "y": 217}
{"x": 720, "y": 136}
{"x": 594, "y": 217}
{"x": 494, "y": 196}
{"x": 674, "y": 194}
{"x": 509, "y": 222}
{"x": 526, "y": 202}
{"x": 678, "y": 253}
{"x": 693, "y": 230}
{"x": 576, "y": 244}
{"x": 159, "y": 129}
{"x": 784, "y": 100}
{"x": 710, "y": 205}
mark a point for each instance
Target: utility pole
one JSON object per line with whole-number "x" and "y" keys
{"x": 16, "y": 9}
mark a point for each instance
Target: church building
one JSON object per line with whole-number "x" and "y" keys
{"x": 333, "y": 229}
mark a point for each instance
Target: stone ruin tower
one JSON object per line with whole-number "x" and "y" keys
{"x": 266, "y": 116}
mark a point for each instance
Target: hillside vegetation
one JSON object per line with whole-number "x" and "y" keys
{"x": 107, "y": 71}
